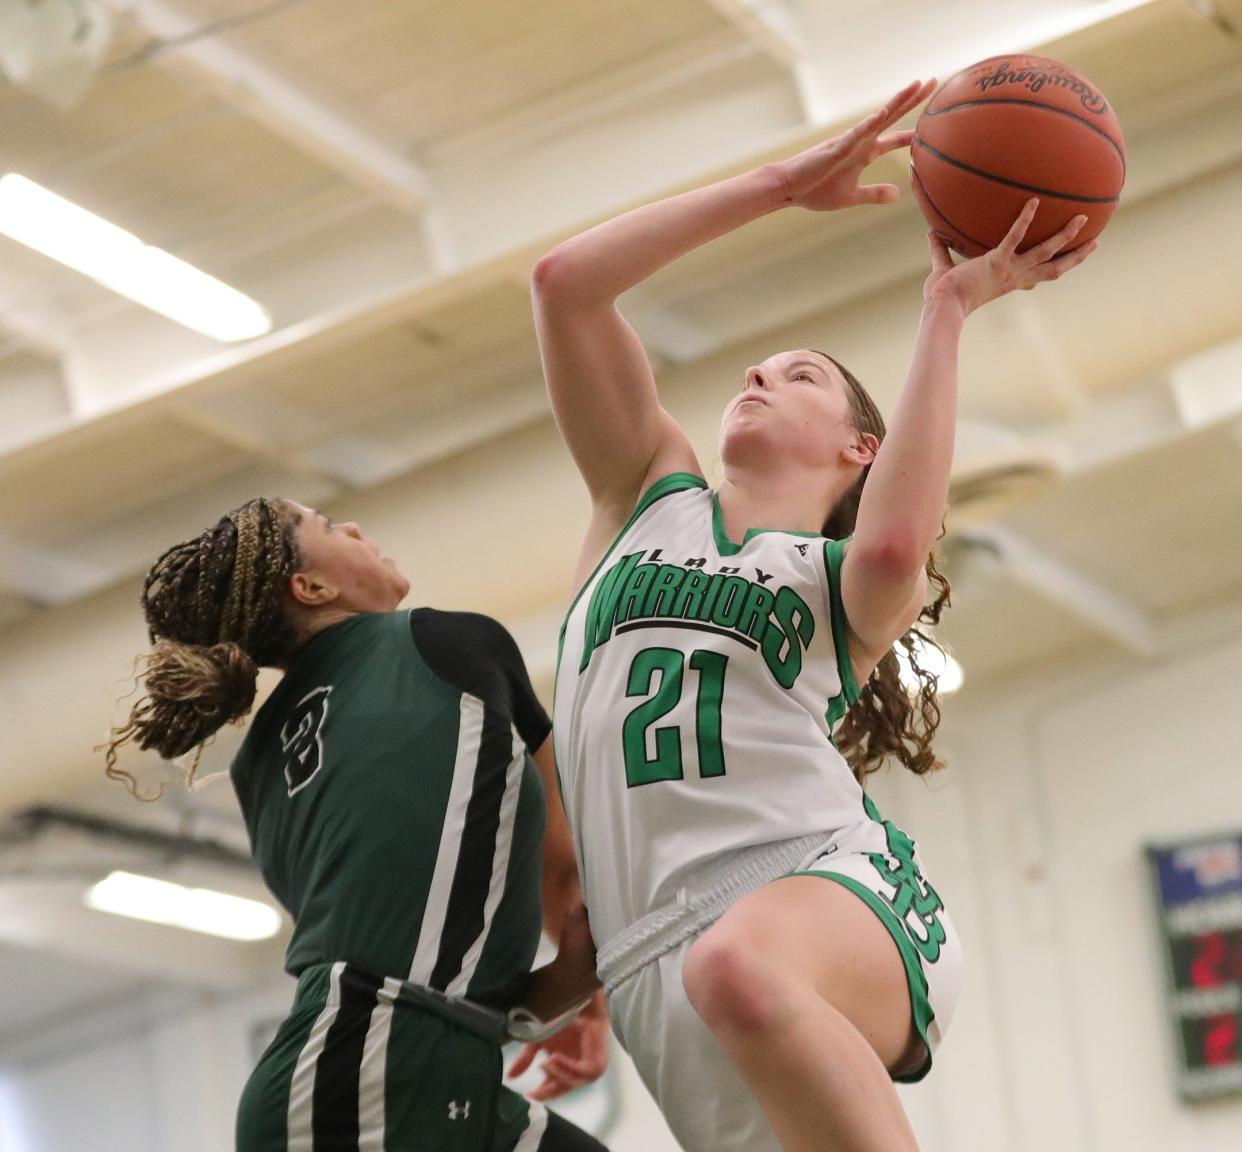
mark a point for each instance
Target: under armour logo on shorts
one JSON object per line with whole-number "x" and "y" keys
{"x": 459, "y": 1111}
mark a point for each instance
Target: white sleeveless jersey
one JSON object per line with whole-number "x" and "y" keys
{"x": 697, "y": 688}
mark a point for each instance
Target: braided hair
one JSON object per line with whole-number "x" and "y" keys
{"x": 216, "y": 611}
{"x": 885, "y": 721}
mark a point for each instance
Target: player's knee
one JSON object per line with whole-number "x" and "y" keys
{"x": 730, "y": 983}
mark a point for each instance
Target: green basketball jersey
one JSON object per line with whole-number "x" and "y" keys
{"x": 398, "y": 819}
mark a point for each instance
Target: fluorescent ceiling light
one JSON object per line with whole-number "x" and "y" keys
{"x": 198, "y": 909}
{"x": 117, "y": 259}
{"x": 931, "y": 660}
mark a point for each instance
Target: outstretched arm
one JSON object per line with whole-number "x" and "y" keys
{"x": 599, "y": 379}
{"x": 903, "y": 502}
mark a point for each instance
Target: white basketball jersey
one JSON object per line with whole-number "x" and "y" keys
{"x": 698, "y": 684}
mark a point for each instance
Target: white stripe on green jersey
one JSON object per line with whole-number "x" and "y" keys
{"x": 469, "y": 736}
{"x": 500, "y": 865}
{"x": 698, "y": 685}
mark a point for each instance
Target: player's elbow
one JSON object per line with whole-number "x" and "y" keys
{"x": 553, "y": 277}
{"x": 565, "y": 277}
{"x": 561, "y": 890}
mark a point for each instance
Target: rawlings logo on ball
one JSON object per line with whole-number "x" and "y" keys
{"x": 1034, "y": 80}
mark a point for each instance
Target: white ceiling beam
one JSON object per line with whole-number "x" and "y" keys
{"x": 589, "y": 101}
{"x": 768, "y": 24}
{"x": 935, "y": 40}
{"x": 1059, "y": 583}
{"x": 261, "y": 427}
{"x": 776, "y": 288}
{"x": 398, "y": 442}
{"x": 34, "y": 332}
{"x": 1041, "y": 342}
{"x": 291, "y": 109}
{"x": 249, "y": 421}
{"x": 774, "y": 29}
{"x": 121, "y": 548}
{"x": 1208, "y": 387}
{"x": 46, "y": 577}
{"x": 1129, "y": 420}
{"x": 666, "y": 334}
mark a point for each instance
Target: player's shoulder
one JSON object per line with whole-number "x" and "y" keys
{"x": 447, "y": 618}
{"x": 472, "y": 631}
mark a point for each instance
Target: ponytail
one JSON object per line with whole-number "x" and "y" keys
{"x": 216, "y": 607}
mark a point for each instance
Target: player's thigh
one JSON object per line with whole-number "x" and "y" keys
{"x": 703, "y": 1099}
{"x": 435, "y": 1085}
{"x": 403, "y": 1080}
{"x": 805, "y": 931}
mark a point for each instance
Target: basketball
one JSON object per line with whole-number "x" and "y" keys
{"x": 1009, "y": 128}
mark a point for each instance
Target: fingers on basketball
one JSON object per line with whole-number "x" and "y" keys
{"x": 941, "y": 257}
{"x": 884, "y": 117}
{"x": 891, "y": 141}
{"x": 1055, "y": 269}
{"x": 1050, "y": 247}
{"x": 1017, "y": 230}
{"x": 878, "y": 194}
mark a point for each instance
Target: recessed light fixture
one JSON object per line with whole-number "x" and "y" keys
{"x": 119, "y": 260}
{"x": 197, "y": 909}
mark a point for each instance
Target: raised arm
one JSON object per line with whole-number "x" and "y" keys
{"x": 903, "y": 502}
{"x": 600, "y": 381}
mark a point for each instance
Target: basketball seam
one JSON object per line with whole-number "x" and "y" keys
{"x": 1015, "y": 183}
{"x": 1045, "y": 107}
{"x": 942, "y": 215}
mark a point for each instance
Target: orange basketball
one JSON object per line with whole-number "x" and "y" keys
{"x": 1009, "y": 128}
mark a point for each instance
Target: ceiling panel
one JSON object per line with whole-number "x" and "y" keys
{"x": 995, "y": 627}
{"x": 1162, "y": 528}
{"x": 108, "y": 473}
{"x": 425, "y": 69}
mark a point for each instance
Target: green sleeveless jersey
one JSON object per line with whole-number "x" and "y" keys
{"x": 397, "y": 817}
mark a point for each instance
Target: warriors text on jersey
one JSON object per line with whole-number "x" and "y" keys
{"x": 698, "y": 686}
{"x": 391, "y": 804}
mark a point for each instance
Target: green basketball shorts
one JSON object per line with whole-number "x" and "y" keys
{"x": 364, "y": 1064}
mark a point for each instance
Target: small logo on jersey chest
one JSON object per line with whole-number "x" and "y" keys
{"x": 458, "y": 1111}
{"x": 301, "y": 738}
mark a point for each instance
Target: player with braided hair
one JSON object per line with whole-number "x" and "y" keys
{"x": 394, "y": 789}
{"x": 214, "y": 612}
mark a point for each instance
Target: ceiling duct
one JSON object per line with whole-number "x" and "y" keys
{"x": 45, "y": 841}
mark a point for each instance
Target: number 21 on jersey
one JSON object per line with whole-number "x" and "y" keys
{"x": 659, "y": 674}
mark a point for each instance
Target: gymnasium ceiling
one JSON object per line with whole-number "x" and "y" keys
{"x": 382, "y": 175}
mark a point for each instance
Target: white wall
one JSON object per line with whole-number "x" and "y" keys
{"x": 159, "y": 1075}
{"x": 1034, "y": 837}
